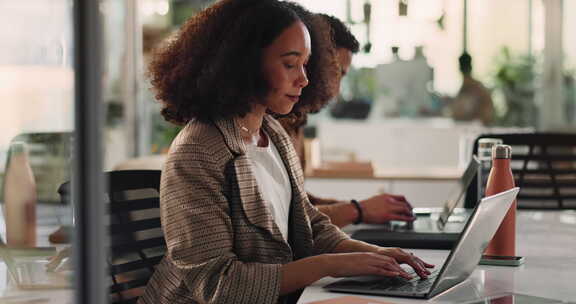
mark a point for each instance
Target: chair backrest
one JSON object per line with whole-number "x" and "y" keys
{"x": 544, "y": 167}
{"x": 136, "y": 237}
{"x": 137, "y": 242}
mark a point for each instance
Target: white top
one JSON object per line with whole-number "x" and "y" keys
{"x": 273, "y": 181}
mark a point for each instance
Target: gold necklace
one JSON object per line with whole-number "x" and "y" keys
{"x": 245, "y": 129}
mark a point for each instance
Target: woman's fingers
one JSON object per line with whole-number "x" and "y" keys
{"x": 419, "y": 266}
{"x": 383, "y": 272}
{"x": 391, "y": 264}
{"x": 386, "y": 265}
{"x": 426, "y": 264}
{"x": 420, "y": 261}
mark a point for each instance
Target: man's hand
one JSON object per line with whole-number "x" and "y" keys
{"x": 386, "y": 207}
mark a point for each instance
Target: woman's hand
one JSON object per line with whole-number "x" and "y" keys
{"x": 362, "y": 263}
{"x": 403, "y": 257}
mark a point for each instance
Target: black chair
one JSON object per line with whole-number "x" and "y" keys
{"x": 544, "y": 167}
{"x": 137, "y": 242}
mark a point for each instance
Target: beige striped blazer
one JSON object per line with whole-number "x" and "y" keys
{"x": 223, "y": 243}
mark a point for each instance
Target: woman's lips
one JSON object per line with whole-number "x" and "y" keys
{"x": 294, "y": 98}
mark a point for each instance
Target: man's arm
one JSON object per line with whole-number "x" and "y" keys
{"x": 377, "y": 209}
{"x": 341, "y": 214}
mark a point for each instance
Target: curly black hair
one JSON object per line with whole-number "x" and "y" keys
{"x": 213, "y": 66}
{"x": 341, "y": 35}
{"x": 341, "y": 38}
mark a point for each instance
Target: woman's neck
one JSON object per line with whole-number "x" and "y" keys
{"x": 250, "y": 124}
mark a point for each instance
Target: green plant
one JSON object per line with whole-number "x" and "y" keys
{"x": 163, "y": 133}
{"x": 514, "y": 77}
{"x": 514, "y": 71}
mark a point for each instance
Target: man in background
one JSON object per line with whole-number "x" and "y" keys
{"x": 473, "y": 101}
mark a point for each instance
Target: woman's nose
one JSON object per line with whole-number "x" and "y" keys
{"x": 302, "y": 80}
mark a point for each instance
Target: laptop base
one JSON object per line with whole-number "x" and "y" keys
{"x": 372, "y": 293}
{"x": 387, "y": 286}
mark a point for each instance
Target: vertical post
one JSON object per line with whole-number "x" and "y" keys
{"x": 465, "y": 27}
{"x": 87, "y": 182}
{"x": 137, "y": 126}
{"x": 349, "y": 12}
{"x": 551, "y": 97}
{"x": 530, "y": 17}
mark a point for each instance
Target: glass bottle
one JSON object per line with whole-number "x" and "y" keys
{"x": 485, "y": 158}
{"x": 501, "y": 179}
{"x": 20, "y": 198}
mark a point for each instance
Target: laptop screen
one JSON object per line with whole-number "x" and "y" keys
{"x": 478, "y": 232}
{"x": 459, "y": 192}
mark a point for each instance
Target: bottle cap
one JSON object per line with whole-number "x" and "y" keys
{"x": 488, "y": 142}
{"x": 501, "y": 152}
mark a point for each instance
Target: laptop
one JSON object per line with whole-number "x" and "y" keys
{"x": 463, "y": 258}
{"x": 30, "y": 273}
{"x": 434, "y": 228}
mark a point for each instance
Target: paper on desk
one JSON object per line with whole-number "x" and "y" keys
{"x": 350, "y": 300}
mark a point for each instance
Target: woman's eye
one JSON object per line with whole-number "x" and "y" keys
{"x": 289, "y": 66}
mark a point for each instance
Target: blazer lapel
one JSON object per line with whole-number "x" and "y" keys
{"x": 255, "y": 208}
{"x": 300, "y": 227}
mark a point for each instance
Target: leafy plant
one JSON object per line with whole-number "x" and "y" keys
{"x": 515, "y": 77}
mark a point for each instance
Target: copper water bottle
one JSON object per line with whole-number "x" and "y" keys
{"x": 20, "y": 198}
{"x": 501, "y": 179}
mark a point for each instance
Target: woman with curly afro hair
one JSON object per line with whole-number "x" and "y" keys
{"x": 238, "y": 225}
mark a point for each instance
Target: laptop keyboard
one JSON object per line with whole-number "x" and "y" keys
{"x": 396, "y": 284}
{"x": 415, "y": 285}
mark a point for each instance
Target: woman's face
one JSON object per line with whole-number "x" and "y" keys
{"x": 284, "y": 67}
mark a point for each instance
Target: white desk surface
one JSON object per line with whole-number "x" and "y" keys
{"x": 547, "y": 239}
{"x": 9, "y": 293}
